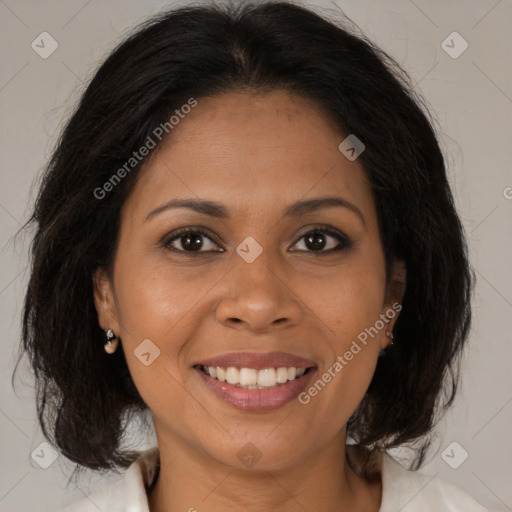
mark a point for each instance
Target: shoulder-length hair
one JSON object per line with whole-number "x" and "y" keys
{"x": 193, "y": 52}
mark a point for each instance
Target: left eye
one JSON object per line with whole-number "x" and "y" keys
{"x": 322, "y": 240}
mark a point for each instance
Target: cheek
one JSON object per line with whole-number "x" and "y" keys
{"x": 149, "y": 306}
{"x": 351, "y": 298}
{"x": 159, "y": 307}
{"x": 349, "y": 303}
{"x": 152, "y": 296}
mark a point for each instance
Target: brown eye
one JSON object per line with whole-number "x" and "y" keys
{"x": 322, "y": 240}
{"x": 191, "y": 240}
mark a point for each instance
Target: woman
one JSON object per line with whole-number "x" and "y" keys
{"x": 246, "y": 229}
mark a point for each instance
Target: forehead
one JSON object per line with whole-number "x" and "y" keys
{"x": 255, "y": 152}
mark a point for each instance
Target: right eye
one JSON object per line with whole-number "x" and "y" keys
{"x": 190, "y": 240}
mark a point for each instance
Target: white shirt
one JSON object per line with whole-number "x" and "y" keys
{"x": 402, "y": 490}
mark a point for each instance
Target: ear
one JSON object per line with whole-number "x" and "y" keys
{"x": 394, "y": 295}
{"x": 104, "y": 301}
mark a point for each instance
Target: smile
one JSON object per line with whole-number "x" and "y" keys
{"x": 252, "y": 378}
{"x": 255, "y": 381}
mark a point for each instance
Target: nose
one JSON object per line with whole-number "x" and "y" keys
{"x": 255, "y": 298}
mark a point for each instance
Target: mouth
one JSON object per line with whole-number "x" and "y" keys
{"x": 255, "y": 381}
{"x": 252, "y": 378}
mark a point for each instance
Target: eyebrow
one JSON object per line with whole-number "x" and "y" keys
{"x": 218, "y": 210}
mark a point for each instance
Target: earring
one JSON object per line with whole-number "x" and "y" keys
{"x": 112, "y": 341}
{"x": 390, "y": 335}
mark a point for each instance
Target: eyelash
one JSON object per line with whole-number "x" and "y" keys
{"x": 344, "y": 242}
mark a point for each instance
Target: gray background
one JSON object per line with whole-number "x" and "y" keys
{"x": 471, "y": 97}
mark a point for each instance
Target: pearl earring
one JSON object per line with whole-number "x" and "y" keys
{"x": 112, "y": 342}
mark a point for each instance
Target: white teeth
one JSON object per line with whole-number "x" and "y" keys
{"x": 282, "y": 375}
{"x": 250, "y": 378}
{"x": 232, "y": 375}
{"x": 267, "y": 377}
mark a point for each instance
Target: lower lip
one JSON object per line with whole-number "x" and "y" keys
{"x": 257, "y": 399}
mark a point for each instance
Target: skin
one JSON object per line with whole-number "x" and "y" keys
{"x": 256, "y": 154}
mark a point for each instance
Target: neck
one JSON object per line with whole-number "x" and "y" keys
{"x": 190, "y": 480}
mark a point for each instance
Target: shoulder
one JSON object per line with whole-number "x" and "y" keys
{"x": 128, "y": 492}
{"x": 411, "y": 491}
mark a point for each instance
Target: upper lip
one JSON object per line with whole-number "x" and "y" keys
{"x": 257, "y": 360}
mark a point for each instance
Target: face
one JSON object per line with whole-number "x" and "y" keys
{"x": 272, "y": 266}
